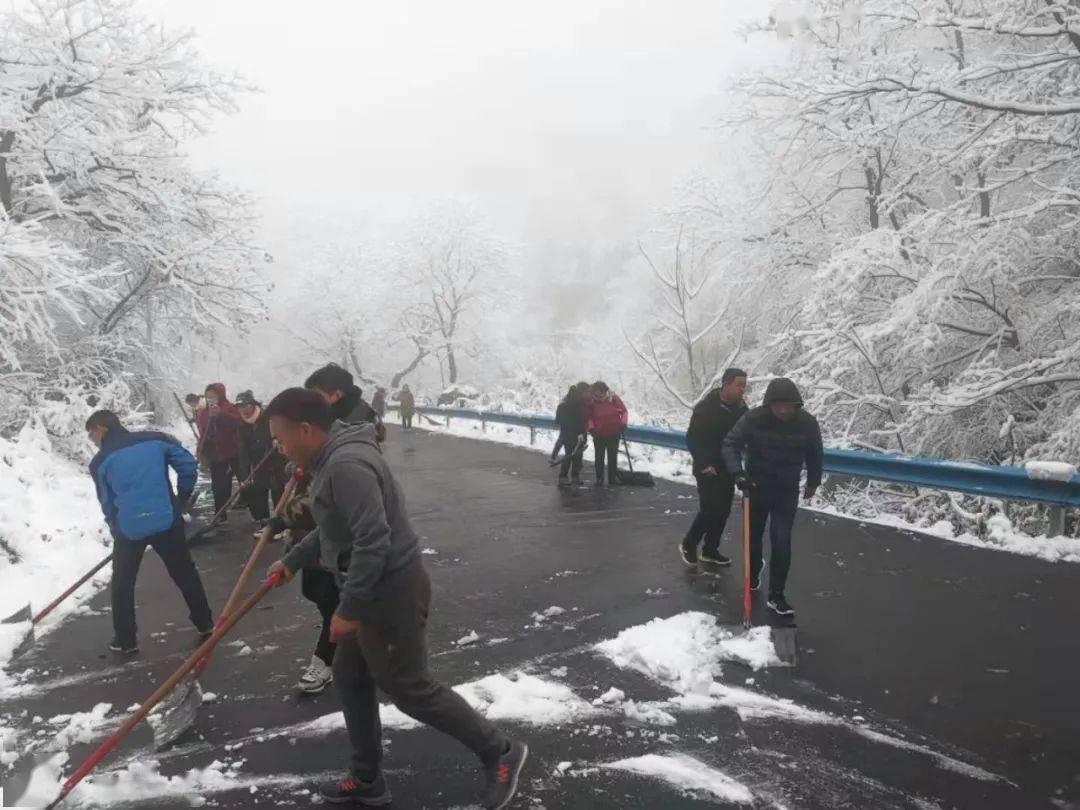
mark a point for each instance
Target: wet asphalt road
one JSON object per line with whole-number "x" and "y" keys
{"x": 968, "y": 653}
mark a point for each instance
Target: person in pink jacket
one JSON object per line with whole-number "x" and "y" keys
{"x": 607, "y": 421}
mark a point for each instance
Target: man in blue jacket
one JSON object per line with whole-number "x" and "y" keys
{"x": 131, "y": 473}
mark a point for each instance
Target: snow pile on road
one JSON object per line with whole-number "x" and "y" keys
{"x": 51, "y": 532}
{"x": 685, "y": 651}
{"x": 143, "y": 780}
{"x": 525, "y": 698}
{"x": 80, "y": 727}
{"x": 687, "y": 774}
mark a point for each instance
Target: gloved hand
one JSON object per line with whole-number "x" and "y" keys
{"x": 744, "y": 484}
{"x": 277, "y": 524}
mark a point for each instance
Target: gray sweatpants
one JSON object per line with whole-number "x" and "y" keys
{"x": 390, "y": 652}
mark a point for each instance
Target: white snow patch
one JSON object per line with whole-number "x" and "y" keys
{"x": 525, "y": 698}
{"x": 141, "y": 781}
{"x": 80, "y": 727}
{"x": 50, "y": 518}
{"x": 610, "y": 697}
{"x": 471, "y": 638}
{"x": 649, "y": 713}
{"x": 1050, "y": 470}
{"x": 429, "y": 551}
{"x": 687, "y": 774}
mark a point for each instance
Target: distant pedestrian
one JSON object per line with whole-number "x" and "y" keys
{"x": 713, "y": 417}
{"x": 607, "y": 419}
{"x": 268, "y": 480}
{"x": 219, "y": 444}
{"x": 378, "y": 402}
{"x": 407, "y": 403}
{"x": 573, "y": 419}
{"x": 364, "y": 535}
{"x": 766, "y": 452}
{"x": 131, "y": 474}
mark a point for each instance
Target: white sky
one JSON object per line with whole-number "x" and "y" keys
{"x": 558, "y": 112}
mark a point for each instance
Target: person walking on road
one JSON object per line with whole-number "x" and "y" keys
{"x": 407, "y": 403}
{"x": 363, "y": 533}
{"x": 573, "y": 419}
{"x": 765, "y": 453}
{"x": 219, "y": 443}
{"x": 131, "y": 475}
{"x": 607, "y": 419}
{"x": 268, "y": 481}
{"x": 378, "y": 402}
{"x": 713, "y": 417}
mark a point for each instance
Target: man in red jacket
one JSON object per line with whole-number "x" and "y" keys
{"x": 219, "y": 446}
{"x": 607, "y": 421}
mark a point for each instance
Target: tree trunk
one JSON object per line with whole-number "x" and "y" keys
{"x": 409, "y": 369}
{"x": 451, "y": 364}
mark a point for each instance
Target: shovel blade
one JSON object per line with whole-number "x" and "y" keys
{"x": 23, "y": 616}
{"x": 18, "y": 617}
{"x": 177, "y": 713}
{"x": 785, "y": 643}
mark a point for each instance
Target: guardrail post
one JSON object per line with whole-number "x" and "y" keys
{"x": 532, "y": 435}
{"x": 1056, "y": 515}
{"x": 483, "y": 425}
{"x": 448, "y": 420}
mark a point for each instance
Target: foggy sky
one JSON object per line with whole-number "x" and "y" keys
{"x": 557, "y": 110}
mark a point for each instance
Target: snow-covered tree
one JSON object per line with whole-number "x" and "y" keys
{"x": 114, "y": 246}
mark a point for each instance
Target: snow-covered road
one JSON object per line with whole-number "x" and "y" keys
{"x": 931, "y": 674}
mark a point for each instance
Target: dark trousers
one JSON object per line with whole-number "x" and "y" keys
{"x": 575, "y": 456}
{"x": 606, "y": 448}
{"x": 319, "y": 586}
{"x": 263, "y": 497}
{"x": 221, "y": 480}
{"x": 778, "y": 508}
{"x": 406, "y": 421}
{"x": 390, "y": 652}
{"x": 172, "y": 548}
{"x": 714, "y": 507}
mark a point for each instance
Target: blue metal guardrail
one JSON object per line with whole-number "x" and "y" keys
{"x": 1008, "y": 483}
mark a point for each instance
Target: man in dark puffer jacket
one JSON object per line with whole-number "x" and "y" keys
{"x": 776, "y": 440}
{"x": 713, "y": 417}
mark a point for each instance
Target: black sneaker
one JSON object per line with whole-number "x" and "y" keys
{"x": 351, "y": 790}
{"x": 124, "y": 649}
{"x": 205, "y": 634}
{"x": 688, "y": 554}
{"x": 564, "y": 481}
{"x": 779, "y": 605}
{"x": 755, "y": 580}
{"x": 502, "y": 777}
{"x": 714, "y": 558}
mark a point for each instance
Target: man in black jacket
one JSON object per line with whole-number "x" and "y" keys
{"x": 345, "y": 399}
{"x": 713, "y": 417}
{"x": 776, "y": 440}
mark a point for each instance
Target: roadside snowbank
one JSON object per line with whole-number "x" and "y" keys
{"x": 51, "y": 532}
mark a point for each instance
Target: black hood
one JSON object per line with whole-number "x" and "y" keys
{"x": 782, "y": 390}
{"x": 349, "y": 400}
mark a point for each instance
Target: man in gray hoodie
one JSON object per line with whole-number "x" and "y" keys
{"x": 364, "y": 536}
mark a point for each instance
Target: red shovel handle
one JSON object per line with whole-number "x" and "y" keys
{"x": 746, "y": 559}
{"x": 163, "y": 690}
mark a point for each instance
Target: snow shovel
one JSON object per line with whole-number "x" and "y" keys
{"x": 178, "y": 713}
{"x": 188, "y": 419}
{"x": 207, "y": 528}
{"x": 783, "y": 634}
{"x": 192, "y": 661}
{"x": 26, "y": 615}
{"x": 630, "y": 478}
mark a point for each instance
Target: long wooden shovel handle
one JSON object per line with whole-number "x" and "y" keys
{"x": 52, "y": 605}
{"x": 253, "y": 558}
{"x": 204, "y": 650}
{"x": 746, "y": 559}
